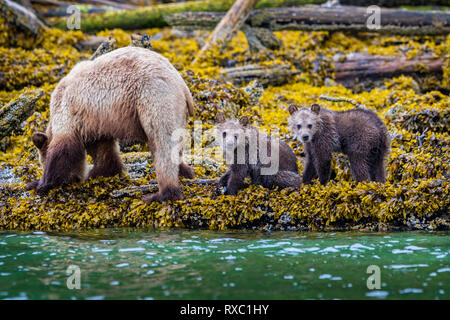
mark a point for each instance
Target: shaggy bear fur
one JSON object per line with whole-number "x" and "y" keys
{"x": 131, "y": 95}
{"x": 358, "y": 133}
{"x": 250, "y": 160}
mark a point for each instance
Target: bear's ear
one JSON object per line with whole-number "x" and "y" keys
{"x": 315, "y": 108}
{"x": 292, "y": 108}
{"x": 244, "y": 121}
{"x": 220, "y": 117}
{"x": 39, "y": 139}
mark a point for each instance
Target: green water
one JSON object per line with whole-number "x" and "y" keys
{"x": 136, "y": 264}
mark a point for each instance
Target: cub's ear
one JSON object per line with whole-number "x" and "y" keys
{"x": 220, "y": 117}
{"x": 315, "y": 108}
{"x": 244, "y": 121}
{"x": 39, "y": 139}
{"x": 292, "y": 108}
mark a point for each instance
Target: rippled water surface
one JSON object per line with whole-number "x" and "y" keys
{"x": 136, "y": 264}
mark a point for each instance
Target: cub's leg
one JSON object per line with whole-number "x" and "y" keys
{"x": 359, "y": 167}
{"x": 65, "y": 163}
{"x": 223, "y": 181}
{"x": 309, "y": 173}
{"x": 106, "y": 157}
{"x": 236, "y": 179}
{"x": 322, "y": 165}
{"x": 186, "y": 171}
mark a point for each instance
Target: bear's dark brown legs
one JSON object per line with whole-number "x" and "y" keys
{"x": 65, "y": 163}
{"x": 359, "y": 167}
{"x": 186, "y": 171}
{"x": 236, "y": 179}
{"x": 106, "y": 158}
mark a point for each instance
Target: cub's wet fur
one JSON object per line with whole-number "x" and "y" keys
{"x": 253, "y": 154}
{"x": 358, "y": 133}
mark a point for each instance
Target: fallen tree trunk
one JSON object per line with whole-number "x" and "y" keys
{"x": 341, "y": 18}
{"x": 353, "y": 68}
{"x": 228, "y": 25}
{"x": 152, "y": 16}
{"x": 275, "y": 75}
{"x": 14, "y": 113}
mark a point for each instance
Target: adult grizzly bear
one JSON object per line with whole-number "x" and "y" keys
{"x": 267, "y": 161}
{"x": 130, "y": 94}
{"x": 358, "y": 133}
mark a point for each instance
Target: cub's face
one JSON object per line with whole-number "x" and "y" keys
{"x": 303, "y": 123}
{"x": 231, "y": 134}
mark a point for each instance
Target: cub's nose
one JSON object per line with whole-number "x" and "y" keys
{"x": 305, "y": 137}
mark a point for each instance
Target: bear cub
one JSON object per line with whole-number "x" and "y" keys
{"x": 358, "y": 133}
{"x": 249, "y": 153}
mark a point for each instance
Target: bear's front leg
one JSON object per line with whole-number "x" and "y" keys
{"x": 324, "y": 171}
{"x": 65, "y": 163}
{"x": 310, "y": 172}
{"x": 32, "y": 185}
{"x": 236, "y": 179}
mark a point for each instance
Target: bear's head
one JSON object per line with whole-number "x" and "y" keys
{"x": 231, "y": 134}
{"x": 304, "y": 122}
{"x": 41, "y": 141}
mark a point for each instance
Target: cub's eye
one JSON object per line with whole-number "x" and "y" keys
{"x": 299, "y": 126}
{"x": 309, "y": 126}
{"x": 235, "y": 137}
{"x": 224, "y": 134}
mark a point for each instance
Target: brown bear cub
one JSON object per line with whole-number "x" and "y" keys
{"x": 130, "y": 94}
{"x": 249, "y": 153}
{"x": 358, "y": 133}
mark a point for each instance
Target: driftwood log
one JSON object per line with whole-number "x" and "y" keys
{"x": 313, "y": 18}
{"x": 17, "y": 111}
{"x": 348, "y": 69}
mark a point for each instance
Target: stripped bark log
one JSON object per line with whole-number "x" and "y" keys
{"x": 228, "y": 26}
{"x": 342, "y": 18}
{"x": 348, "y": 70}
{"x": 275, "y": 74}
{"x": 153, "y": 185}
{"x": 14, "y": 113}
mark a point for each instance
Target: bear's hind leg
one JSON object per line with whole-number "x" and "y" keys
{"x": 167, "y": 170}
{"x": 359, "y": 168}
{"x": 106, "y": 157}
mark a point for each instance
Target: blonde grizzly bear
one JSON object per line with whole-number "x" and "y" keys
{"x": 130, "y": 94}
{"x": 250, "y": 153}
{"x": 358, "y": 133}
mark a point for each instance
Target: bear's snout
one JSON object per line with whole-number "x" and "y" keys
{"x": 305, "y": 137}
